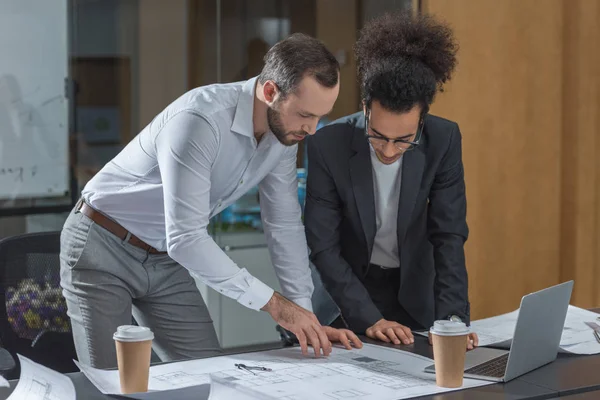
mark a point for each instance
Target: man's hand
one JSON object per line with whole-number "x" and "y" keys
{"x": 300, "y": 322}
{"x": 390, "y": 331}
{"x": 472, "y": 342}
{"x": 343, "y": 336}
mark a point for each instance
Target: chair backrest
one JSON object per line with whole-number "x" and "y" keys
{"x": 33, "y": 312}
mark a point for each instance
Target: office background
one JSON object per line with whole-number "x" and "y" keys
{"x": 526, "y": 95}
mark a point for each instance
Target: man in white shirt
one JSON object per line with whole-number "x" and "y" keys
{"x": 385, "y": 211}
{"x": 141, "y": 225}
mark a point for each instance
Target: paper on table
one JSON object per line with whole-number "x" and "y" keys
{"x": 107, "y": 381}
{"x": 217, "y": 389}
{"x": 496, "y": 331}
{"x": 373, "y": 372}
{"x": 40, "y": 383}
{"x": 577, "y": 337}
{"x": 223, "y": 389}
{"x": 162, "y": 377}
{"x": 200, "y": 392}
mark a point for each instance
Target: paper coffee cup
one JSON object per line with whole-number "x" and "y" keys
{"x": 449, "y": 348}
{"x": 134, "y": 349}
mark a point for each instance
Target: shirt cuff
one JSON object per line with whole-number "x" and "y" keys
{"x": 304, "y": 302}
{"x": 256, "y": 296}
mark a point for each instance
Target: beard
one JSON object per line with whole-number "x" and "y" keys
{"x": 276, "y": 126}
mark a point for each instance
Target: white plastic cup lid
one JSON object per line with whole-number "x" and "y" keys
{"x": 449, "y": 328}
{"x": 132, "y": 333}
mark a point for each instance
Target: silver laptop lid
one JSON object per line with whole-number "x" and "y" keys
{"x": 538, "y": 330}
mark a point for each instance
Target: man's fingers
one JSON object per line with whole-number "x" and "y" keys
{"x": 390, "y": 333}
{"x": 472, "y": 341}
{"x": 409, "y": 334}
{"x": 355, "y": 340}
{"x": 401, "y": 334}
{"x": 302, "y": 340}
{"x": 379, "y": 335}
{"x": 323, "y": 339}
{"x": 344, "y": 340}
{"x": 314, "y": 341}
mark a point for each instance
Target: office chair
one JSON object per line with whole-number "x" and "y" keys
{"x": 33, "y": 312}
{"x": 288, "y": 339}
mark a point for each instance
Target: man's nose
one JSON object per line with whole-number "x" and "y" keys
{"x": 310, "y": 128}
{"x": 390, "y": 150}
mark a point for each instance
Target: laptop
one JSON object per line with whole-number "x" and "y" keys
{"x": 535, "y": 341}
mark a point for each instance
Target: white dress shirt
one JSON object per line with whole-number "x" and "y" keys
{"x": 195, "y": 158}
{"x": 386, "y": 185}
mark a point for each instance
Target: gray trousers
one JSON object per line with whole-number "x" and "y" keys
{"x": 105, "y": 280}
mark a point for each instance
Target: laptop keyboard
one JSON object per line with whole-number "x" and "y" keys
{"x": 494, "y": 368}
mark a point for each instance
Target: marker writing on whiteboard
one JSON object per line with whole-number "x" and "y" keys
{"x": 20, "y": 173}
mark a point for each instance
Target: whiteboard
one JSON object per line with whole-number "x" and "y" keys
{"x": 34, "y": 112}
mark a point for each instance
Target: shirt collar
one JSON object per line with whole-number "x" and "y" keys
{"x": 242, "y": 120}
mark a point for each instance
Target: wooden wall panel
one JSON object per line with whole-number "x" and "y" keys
{"x": 195, "y": 43}
{"x": 507, "y": 98}
{"x": 580, "y": 217}
{"x": 163, "y": 55}
{"x": 337, "y": 27}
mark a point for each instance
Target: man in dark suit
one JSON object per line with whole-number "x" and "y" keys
{"x": 385, "y": 211}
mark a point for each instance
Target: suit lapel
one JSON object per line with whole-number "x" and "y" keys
{"x": 413, "y": 165}
{"x": 361, "y": 175}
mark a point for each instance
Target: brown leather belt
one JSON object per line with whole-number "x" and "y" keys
{"x": 114, "y": 228}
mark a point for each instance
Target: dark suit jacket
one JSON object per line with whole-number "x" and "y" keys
{"x": 432, "y": 227}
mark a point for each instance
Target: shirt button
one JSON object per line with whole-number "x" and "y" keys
{"x": 250, "y": 303}
{"x": 242, "y": 182}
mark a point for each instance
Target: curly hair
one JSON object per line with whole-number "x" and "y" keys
{"x": 403, "y": 60}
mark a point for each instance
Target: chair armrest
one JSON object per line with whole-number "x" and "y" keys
{"x": 7, "y": 362}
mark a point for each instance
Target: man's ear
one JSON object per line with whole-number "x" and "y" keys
{"x": 270, "y": 92}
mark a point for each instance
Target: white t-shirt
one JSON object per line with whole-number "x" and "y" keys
{"x": 386, "y": 185}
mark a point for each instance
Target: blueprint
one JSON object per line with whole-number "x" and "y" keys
{"x": 370, "y": 373}
{"x": 577, "y": 337}
{"x": 40, "y": 383}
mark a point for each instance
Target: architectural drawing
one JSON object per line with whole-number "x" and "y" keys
{"x": 371, "y": 373}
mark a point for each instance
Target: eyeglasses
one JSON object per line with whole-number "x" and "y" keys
{"x": 400, "y": 144}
